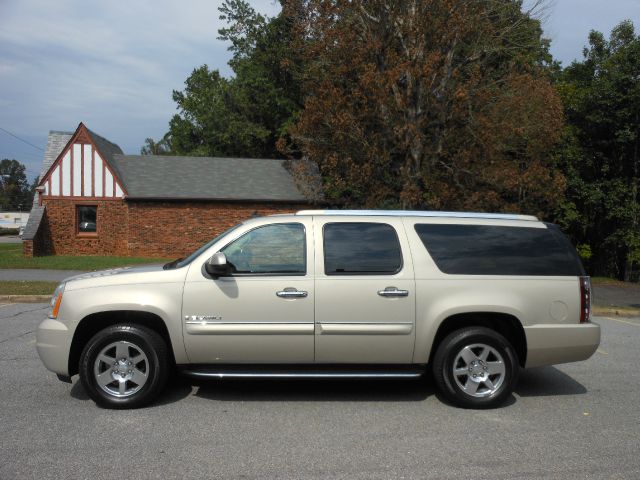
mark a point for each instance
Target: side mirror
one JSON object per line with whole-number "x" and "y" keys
{"x": 217, "y": 266}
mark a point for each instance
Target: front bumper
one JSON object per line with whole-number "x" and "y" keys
{"x": 560, "y": 343}
{"x": 53, "y": 341}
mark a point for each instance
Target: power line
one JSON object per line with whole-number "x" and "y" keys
{"x": 22, "y": 139}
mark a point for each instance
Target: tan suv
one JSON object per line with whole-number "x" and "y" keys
{"x": 350, "y": 294}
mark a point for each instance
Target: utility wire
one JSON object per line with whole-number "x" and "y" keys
{"x": 22, "y": 139}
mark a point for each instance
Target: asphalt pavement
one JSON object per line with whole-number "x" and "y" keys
{"x": 10, "y": 239}
{"x": 571, "y": 421}
{"x": 36, "y": 274}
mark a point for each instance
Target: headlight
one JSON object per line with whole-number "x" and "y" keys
{"x": 56, "y": 300}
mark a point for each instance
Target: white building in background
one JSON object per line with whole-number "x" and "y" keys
{"x": 13, "y": 219}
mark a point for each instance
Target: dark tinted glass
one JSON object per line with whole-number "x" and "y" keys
{"x": 497, "y": 250}
{"x": 361, "y": 249}
{"x": 87, "y": 216}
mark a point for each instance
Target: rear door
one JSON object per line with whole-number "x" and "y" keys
{"x": 365, "y": 291}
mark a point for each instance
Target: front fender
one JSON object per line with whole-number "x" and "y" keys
{"x": 161, "y": 299}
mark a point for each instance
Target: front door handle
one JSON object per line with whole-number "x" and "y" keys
{"x": 291, "y": 293}
{"x": 393, "y": 292}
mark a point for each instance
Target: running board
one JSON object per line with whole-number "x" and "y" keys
{"x": 296, "y": 373}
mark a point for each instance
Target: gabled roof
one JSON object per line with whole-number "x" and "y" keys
{"x": 163, "y": 177}
{"x": 105, "y": 147}
{"x": 206, "y": 178}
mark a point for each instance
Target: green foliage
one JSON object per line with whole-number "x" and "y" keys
{"x": 584, "y": 250}
{"x": 600, "y": 152}
{"x": 161, "y": 147}
{"x": 15, "y": 191}
{"x": 247, "y": 114}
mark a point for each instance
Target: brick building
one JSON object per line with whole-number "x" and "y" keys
{"x": 94, "y": 200}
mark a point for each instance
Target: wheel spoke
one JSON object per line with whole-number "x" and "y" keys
{"x": 495, "y": 368}
{"x": 122, "y": 387}
{"x": 122, "y": 350}
{"x": 467, "y": 355}
{"x": 104, "y": 378}
{"x": 485, "y": 354}
{"x": 108, "y": 360}
{"x": 137, "y": 359}
{"x": 471, "y": 387}
{"x": 458, "y": 372}
{"x": 138, "y": 377}
{"x": 488, "y": 383}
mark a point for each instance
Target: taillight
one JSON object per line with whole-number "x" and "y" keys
{"x": 585, "y": 299}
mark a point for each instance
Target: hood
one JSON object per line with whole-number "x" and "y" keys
{"x": 125, "y": 275}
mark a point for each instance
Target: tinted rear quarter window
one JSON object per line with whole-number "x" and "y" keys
{"x": 361, "y": 249}
{"x": 498, "y": 250}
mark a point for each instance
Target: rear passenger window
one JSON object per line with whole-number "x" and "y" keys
{"x": 361, "y": 249}
{"x": 498, "y": 250}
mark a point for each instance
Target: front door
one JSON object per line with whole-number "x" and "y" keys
{"x": 365, "y": 291}
{"x": 262, "y": 312}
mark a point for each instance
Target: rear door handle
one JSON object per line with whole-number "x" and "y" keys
{"x": 393, "y": 292}
{"x": 291, "y": 293}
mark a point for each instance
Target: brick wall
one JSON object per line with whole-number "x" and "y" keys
{"x": 61, "y": 228}
{"x": 175, "y": 229}
{"x": 159, "y": 229}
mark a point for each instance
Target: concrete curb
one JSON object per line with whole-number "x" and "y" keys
{"x": 25, "y": 298}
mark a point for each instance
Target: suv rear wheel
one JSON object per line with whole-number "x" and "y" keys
{"x": 124, "y": 366}
{"x": 475, "y": 368}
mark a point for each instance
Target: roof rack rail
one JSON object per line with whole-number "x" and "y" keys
{"x": 420, "y": 213}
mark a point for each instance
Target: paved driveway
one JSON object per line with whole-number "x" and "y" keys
{"x": 10, "y": 239}
{"x": 572, "y": 421}
{"x": 36, "y": 274}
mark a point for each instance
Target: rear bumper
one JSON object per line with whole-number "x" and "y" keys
{"x": 560, "y": 343}
{"x": 53, "y": 342}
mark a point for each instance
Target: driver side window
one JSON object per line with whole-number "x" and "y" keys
{"x": 272, "y": 249}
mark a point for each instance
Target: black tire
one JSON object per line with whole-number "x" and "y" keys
{"x": 142, "y": 366}
{"x": 488, "y": 382}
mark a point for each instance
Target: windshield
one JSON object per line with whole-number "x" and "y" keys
{"x": 186, "y": 261}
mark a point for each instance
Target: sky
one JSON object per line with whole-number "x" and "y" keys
{"x": 113, "y": 64}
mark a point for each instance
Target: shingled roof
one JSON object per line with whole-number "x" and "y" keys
{"x": 205, "y": 178}
{"x": 163, "y": 177}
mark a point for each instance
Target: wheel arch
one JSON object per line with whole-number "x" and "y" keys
{"x": 93, "y": 323}
{"x": 507, "y": 325}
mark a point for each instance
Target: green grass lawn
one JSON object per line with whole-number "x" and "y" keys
{"x": 17, "y": 287}
{"x": 11, "y": 257}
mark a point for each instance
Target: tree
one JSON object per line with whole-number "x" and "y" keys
{"x": 14, "y": 188}
{"x": 247, "y": 114}
{"x": 600, "y": 152}
{"x": 161, "y": 147}
{"x": 427, "y": 104}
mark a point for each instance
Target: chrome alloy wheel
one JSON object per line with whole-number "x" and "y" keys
{"x": 479, "y": 370}
{"x": 121, "y": 369}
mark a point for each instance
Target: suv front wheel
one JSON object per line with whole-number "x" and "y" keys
{"x": 475, "y": 368}
{"x": 124, "y": 366}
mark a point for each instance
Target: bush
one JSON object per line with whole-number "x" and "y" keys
{"x": 9, "y": 231}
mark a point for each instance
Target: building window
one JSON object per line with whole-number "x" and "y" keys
{"x": 87, "y": 218}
